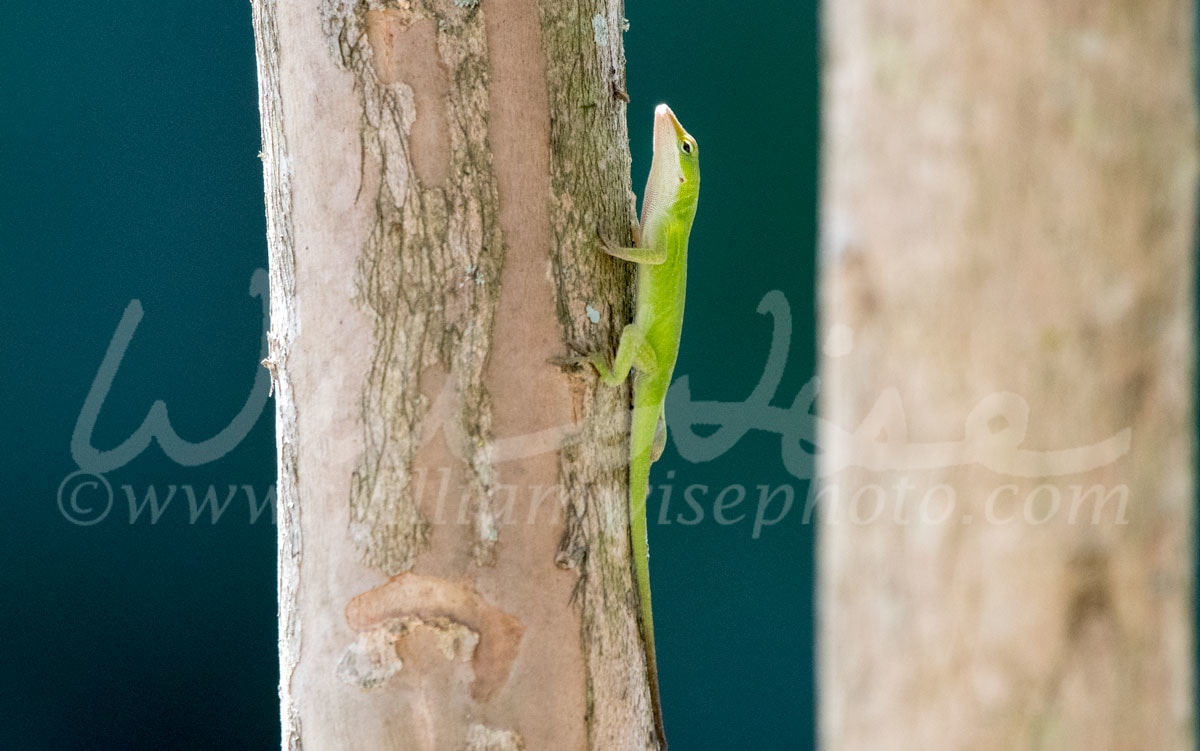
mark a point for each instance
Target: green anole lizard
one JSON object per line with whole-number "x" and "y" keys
{"x": 650, "y": 344}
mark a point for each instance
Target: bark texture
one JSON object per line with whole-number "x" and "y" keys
{"x": 1009, "y": 204}
{"x": 454, "y": 569}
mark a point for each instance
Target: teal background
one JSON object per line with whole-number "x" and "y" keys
{"x": 128, "y": 150}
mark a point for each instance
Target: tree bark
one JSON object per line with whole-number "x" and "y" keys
{"x": 1009, "y": 204}
{"x": 454, "y": 570}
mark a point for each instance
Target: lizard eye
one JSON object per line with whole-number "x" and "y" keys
{"x": 686, "y": 146}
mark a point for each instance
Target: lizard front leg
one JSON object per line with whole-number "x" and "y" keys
{"x": 651, "y": 255}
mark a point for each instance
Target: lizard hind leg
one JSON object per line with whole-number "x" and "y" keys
{"x": 632, "y": 352}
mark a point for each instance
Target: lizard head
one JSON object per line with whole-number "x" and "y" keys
{"x": 675, "y": 169}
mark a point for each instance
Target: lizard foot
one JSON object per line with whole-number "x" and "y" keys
{"x": 606, "y": 245}
{"x": 575, "y": 362}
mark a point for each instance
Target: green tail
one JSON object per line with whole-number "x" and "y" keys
{"x": 645, "y": 422}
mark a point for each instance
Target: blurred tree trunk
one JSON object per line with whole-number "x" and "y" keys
{"x": 1009, "y": 204}
{"x": 453, "y": 541}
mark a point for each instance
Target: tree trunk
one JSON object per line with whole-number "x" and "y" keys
{"x": 1009, "y": 204}
{"x": 454, "y": 569}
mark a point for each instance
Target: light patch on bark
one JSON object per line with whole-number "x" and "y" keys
{"x": 446, "y": 607}
{"x": 376, "y": 655}
{"x": 600, "y": 30}
{"x": 483, "y": 738}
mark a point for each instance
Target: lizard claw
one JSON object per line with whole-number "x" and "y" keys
{"x": 605, "y": 244}
{"x": 572, "y": 363}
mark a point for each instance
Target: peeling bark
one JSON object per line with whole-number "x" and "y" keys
{"x": 454, "y": 562}
{"x": 1009, "y": 204}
